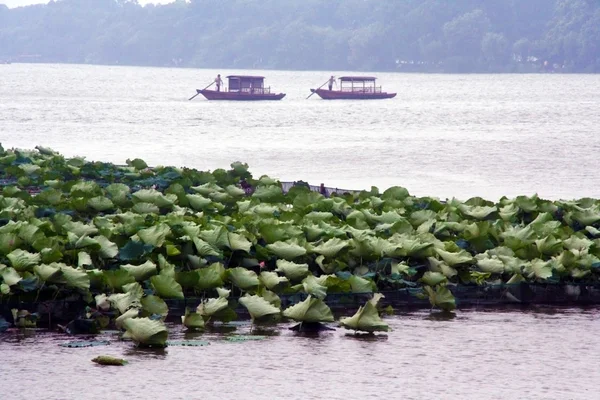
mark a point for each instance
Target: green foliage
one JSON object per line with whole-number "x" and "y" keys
{"x": 408, "y": 35}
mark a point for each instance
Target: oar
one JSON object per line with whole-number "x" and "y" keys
{"x": 318, "y": 88}
{"x": 200, "y": 91}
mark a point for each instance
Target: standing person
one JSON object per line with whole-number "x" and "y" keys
{"x": 331, "y": 82}
{"x": 219, "y": 82}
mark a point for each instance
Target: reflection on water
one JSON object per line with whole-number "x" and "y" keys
{"x": 544, "y": 353}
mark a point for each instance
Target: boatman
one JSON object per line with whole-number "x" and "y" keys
{"x": 219, "y": 82}
{"x": 331, "y": 82}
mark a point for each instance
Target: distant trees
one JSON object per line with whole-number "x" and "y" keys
{"x": 407, "y": 35}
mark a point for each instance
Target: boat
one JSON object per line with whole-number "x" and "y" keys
{"x": 242, "y": 87}
{"x": 354, "y": 88}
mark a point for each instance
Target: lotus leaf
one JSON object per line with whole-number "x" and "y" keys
{"x": 366, "y": 318}
{"x": 167, "y": 287}
{"x": 258, "y": 307}
{"x": 22, "y": 260}
{"x": 310, "y": 310}
{"x": 146, "y": 332}
{"x": 243, "y": 278}
{"x": 272, "y": 281}
{"x": 294, "y": 272}
{"x": 192, "y": 320}
{"x": 313, "y": 287}
{"x": 154, "y": 305}
{"x": 141, "y": 272}
{"x": 441, "y": 297}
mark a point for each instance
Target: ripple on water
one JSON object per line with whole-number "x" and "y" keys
{"x": 536, "y": 354}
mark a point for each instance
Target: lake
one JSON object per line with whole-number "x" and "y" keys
{"x": 443, "y": 135}
{"x": 543, "y": 353}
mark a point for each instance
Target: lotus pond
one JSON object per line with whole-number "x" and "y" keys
{"x": 126, "y": 239}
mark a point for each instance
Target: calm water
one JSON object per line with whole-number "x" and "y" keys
{"x": 443, "y": 135}
{"x": 550, "y": 354}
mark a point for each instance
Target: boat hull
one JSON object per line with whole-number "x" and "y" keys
{"x": 239, "y": 96}
{"x": 343, "y": 95}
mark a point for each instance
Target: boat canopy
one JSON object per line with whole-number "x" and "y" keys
{"x": 246, "y": 83}
{"x": 357, "y": 78}
{"x": 246, "y": 77}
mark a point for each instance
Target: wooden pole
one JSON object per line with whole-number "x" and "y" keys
{"x": 201, "y": 90}
{"x": 319, "y": 88}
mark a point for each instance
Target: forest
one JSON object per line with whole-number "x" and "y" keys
{"x": 457, "y": 36}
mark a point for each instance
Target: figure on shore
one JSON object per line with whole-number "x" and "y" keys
{"x": 219, "y": 82}
{"x": 331, "y": 82}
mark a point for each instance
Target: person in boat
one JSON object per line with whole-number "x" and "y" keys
{"x": 331, "y": 82}
{"x": 219, "y": 82}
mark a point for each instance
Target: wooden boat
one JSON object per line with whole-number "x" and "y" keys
{"x": 242, "y": 87}
{"x": 354, "y": 88}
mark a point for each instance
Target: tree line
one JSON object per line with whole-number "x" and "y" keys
{"x": 376, "y": 35}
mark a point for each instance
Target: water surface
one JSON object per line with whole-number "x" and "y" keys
{"x": 504, "y": 355}
{"x": 443, "y": 135}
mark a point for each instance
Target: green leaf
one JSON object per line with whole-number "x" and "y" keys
{"x": 211, "y": 277}
{"x": 361, "y": 285}
{"x": 272, "y": 281}
{"x": 441, "y": 297}
{"x": 22, "y": 260}
{"x": 452, "y": 259}
{"x": 198, "y": 202}
{"x": 211, "y": 306}
{"x": 83, "y": 259}
{"x": 313, "y": 287}
{"x": 433, "y": 278}
{"x": 310, "y": 310}
{"x": 167, "y": 287}
{"x": 154, "y": 197}
{"x": 109, "y": 360}
{"x": 155, "y": 235}
{"x": 285, "y": 250}
{"x": 141, "y": 272}
{"x": 154, "y": 305}
{"x": 539, "y": 269}
{"x": 294, "y": 272}
{"x": 258, "y": 307}
{"x": 100, "y": 203}
{"x": 243, "y": 278}
{"x": 108, "y": 249}
{"x": 331, "y": 248}
{"x": 47, "y": 272}
{"x": 192, "y": 320}
{"x": 366, "y": 318}
{"x": 238, "y": 242}
{"x": 9, "y": 275}
{"x": 115, "y": 279}
{"x": 146, "y": 332}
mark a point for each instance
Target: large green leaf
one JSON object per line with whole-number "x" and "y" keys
{"x": 441, "y": 297}
{"x": 75, "y": 277}
{"x": 141, "y": 272}
{"x": 313, "y": 287}
{"x": 366, "y": 318}
{"x": 192, "y": 320}
{"x": 272, "y": 281}
{"x": 310, "y": 310}
{"x": 286, "y": 250}
{"x": 154, "y": 235}
{"x": 9, "y": 275}
{"x": 452, "y": 259}
{"x": 146, "y": 332}
{"x": 330, "y": 248}
{"x": 167, "y": 287}
{"x": 210, "y": 307}
{"x": 243, "y": 278}
{"x": 211, "y": 277}
{"x": 22, "y": 260}
{"x": 258, "y": 307}
{"x": 154, "y": 305}
{"x": 294, "y": 272}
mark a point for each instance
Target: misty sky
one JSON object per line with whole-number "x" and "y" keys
{"x": 18, "y": 3}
